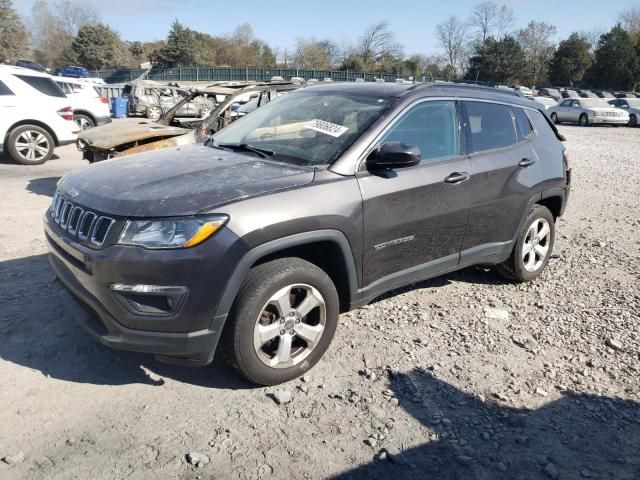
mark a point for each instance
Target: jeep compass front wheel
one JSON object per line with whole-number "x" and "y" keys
{"x": 533, "y": 247}
{"x": 282, "y": 321}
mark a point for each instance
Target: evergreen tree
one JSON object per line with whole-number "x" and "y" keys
{"x": 14, "y": 40}
{"x": 97, "y": 46}
{"x": 615, "y": 64}
{"x": 497, "y": 61}
{"x": 570, "y": 61}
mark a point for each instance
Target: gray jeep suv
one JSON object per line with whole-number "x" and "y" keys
{"x": 310, "y": 206}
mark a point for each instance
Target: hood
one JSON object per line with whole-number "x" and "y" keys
{"x": 126, "y": 131}
{"x": 177, "y": 181}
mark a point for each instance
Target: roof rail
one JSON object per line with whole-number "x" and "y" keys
{"x": 469, "y": 86}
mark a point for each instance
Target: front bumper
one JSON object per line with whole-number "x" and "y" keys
{"x": 188, "y": 335}
{"x": 609, "y": 120}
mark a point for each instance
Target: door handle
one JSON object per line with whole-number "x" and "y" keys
{"x": 457, "y": 177}
{"x": 526, "y": 162}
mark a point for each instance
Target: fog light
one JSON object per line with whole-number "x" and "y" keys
{"x": 150, "y": 299}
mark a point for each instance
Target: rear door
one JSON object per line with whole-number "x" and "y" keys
{"x": 505, "y": 175}
{"x": 414, "y": 218}
{"x": 8, "y": 103}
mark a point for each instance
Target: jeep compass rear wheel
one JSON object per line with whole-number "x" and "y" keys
{"x": 282, "y": 321}
{"x": 533, "y": 247}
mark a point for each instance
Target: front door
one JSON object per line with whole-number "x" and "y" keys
{"x": 414, "y": 218}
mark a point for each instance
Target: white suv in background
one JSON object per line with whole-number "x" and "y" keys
{"x": 35, "y": 115}
{"x": 89, "y": 108}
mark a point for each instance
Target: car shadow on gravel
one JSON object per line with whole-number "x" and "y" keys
{"x": 578, "y": 436}
{"x": 37, "y": 332}
{"x": 475, "y": 275}
{"x": 43, "y": 186}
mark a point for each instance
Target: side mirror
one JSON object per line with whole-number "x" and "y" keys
{"x": 394, "y": 155}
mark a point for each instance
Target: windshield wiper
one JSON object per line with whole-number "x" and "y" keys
{"x": 262, "y": 153}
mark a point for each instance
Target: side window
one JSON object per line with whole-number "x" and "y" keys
{"x": 4, "y": 90}
{"x": 431, "y": 126}
{"x": 523, "y": 125}
{"x": 491, "y": 126}
{"x": 43, "y": 84}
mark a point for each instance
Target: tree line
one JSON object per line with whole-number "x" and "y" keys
{"x": 485, "y": 46}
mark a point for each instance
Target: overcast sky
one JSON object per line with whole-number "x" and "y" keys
{"x": 279, "y": 23}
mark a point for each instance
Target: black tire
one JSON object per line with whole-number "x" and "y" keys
{"x": 583, "y": 121}
{"x": 261, "y": 284}
{"x": 633, "y": 120}
{"x": 554, "y": 118}
{"x": 83, "y": 121}
{"x": 21, "y": 135}
{"x": 514, "y": 268}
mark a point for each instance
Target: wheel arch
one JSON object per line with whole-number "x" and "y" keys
{"x": 86, "y": 113}
{"x": 37, "y": 123}
{"x": 328, "y": 249}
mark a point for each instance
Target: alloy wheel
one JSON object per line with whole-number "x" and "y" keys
{"x": 290, "y": 326}
{"x": 154, "y": 112}
{"x": 32, "y": 145}
{"x": 536, "y": 245}
{"x": 83, "y": 123}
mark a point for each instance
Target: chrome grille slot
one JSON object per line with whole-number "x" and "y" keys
{"x": 101, "y": 230}
{"x": 86, "y": 224}
{"x": 58, "y": 208}
{"x": 74, "y": 219}
{"x": 64, "y": 215}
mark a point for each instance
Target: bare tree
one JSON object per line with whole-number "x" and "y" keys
{"x": 490, "y": 19}
{"x": 452, "y": 35}
{"x": 505, "y": 21}
{"x": 75, "y": 14}
{"x": 629, "y": 18}
{"x": 593, "y": 37}
{"x": 536, "y": 41}
{"x": 377, "y": 42}
{"x": 317, "y": 54}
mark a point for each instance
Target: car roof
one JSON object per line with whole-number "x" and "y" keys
{"x": 419, "y": 90}
{"x": 22, "y": 71}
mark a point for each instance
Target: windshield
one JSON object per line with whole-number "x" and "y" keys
{"x": 305, "y": 127}
{"x": 593, "y": 103}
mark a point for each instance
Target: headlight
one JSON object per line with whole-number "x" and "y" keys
{"x": 182, "y": 232}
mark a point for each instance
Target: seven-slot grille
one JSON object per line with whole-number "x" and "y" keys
{"x": 87, "y": 226}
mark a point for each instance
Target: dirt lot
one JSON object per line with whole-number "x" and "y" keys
{"x": 465, "y": 376}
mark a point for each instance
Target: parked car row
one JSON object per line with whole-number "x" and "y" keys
{"x": 62, "y": 71}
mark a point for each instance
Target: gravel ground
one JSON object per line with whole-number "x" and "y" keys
{"x": 464, "y": 376}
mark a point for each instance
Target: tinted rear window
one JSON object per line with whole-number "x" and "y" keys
{"x": 43, "y": 85}
{"x": 4, "y": 90}
{"x": 491, "y": 126}
{"x": 523, "y": 125}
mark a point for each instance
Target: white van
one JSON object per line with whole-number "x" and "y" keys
{"x": 35, "y": 115}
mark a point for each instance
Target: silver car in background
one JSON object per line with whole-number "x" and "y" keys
{"x": 546, "y": 102}
{"x": 587, "y": 111}
{"x": 631, "y": 106}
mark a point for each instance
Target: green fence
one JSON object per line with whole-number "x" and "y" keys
{"x": 213, "y": 74}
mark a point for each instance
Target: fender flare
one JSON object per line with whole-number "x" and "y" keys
{"x": 274, "y": 246}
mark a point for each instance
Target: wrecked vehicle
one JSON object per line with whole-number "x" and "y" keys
{"x": 135, "y": 135}
{"x": 152, "y": 100}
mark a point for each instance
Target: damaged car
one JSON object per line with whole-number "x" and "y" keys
{"x": 135, "y": 135}
{"x": 152, "y": 100}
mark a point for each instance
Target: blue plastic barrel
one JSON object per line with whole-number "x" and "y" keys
{"x": 119, "y": 107}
